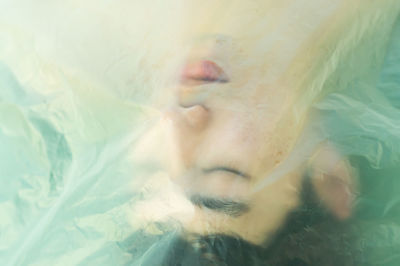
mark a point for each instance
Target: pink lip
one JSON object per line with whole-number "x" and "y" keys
{"x": 204, "y": 70}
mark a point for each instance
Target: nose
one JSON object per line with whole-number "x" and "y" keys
{"x": 189, "y": 119}
{"x": 185, "y": 131}
{"x": 195, "y": 116}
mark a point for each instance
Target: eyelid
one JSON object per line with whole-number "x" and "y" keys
{"x": 225, "y": 169}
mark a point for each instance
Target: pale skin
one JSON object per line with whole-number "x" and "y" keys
{"x": 231, "y": 121}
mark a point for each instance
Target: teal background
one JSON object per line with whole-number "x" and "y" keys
{"x": 65, "y": 171}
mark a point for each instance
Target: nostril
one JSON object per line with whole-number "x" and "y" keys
{"x": 196, "y": 116}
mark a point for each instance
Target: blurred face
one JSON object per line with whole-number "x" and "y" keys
{"x": 231, "y": 126}
{"x": 232, "y": 121}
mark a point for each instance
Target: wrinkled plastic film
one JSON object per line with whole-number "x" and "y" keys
{"x": 188, "y": 133}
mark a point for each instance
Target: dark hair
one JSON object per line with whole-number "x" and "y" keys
{"x": 310, "y": 236}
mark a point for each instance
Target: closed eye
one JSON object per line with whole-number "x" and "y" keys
{"x": 226, "y": 169}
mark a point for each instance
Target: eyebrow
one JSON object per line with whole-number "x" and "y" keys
{"x": 226, "y": 206}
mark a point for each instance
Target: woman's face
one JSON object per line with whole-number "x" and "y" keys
{"x": 233, "y": 121}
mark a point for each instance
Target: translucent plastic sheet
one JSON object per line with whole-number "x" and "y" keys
{"x": 199, "y": 132}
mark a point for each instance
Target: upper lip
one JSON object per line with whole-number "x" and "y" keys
{"x": 203, "y": 70}
{"x": 226, "y": 169}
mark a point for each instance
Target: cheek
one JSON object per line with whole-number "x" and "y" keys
{"x": 242, "y": 134}
{"x": 264, "y": 143}
{"x": 258, "y": 142}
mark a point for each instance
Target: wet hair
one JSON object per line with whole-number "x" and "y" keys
{"x": 309, "y": 236}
